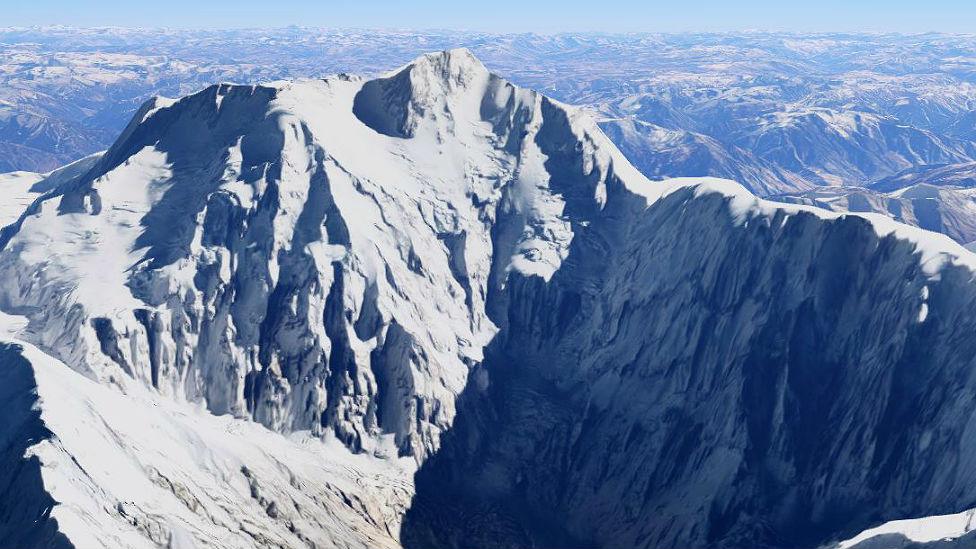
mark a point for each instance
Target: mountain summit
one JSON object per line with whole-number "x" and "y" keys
{"x": 435, "y": 309}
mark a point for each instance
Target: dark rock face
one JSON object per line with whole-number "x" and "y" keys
{"x": 25, "y": 506}
{"x": 768, "y": 385}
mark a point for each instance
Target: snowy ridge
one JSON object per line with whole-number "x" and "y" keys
{"x": 946, "y": 209}
{"x": 935, "y": 250}
{"x": 773, "y": 298}
{"x": 23, "y": 188}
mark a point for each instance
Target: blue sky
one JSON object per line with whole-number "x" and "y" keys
{"x": 509, "y": 15}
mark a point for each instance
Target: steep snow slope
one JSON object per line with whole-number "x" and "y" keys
{"x": 440, "y": 265}
{"x": 956, "y": 530}
{"x": 20, "y": 189}
{"x": 17, "y": 194}
{"x": 136, "y": 470}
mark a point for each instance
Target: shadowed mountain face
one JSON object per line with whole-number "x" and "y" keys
{"x": 439, "y": 269}
{"x": 25, "y": 506}
{"x": 777, "y": 390}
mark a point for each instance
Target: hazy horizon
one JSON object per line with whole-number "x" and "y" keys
{"x": 505, "y": 16}
{"x": 499, "y": 32}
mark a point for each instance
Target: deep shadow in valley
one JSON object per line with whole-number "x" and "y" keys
{"x": 774, "y": 388}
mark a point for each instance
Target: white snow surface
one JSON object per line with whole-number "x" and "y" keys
{"x": 919, "y": 530}
{"x": 137, "y": 470}
{"x": 935, "y": 250}
{"x": 20, "y": 189}
{"x": 17, "y": 194}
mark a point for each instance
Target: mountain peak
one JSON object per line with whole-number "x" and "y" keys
{"x": 456, "y": 64}
{"x": 423, "y": 89}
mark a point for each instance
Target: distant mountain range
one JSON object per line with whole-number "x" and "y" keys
{"x": 779, "y": 112}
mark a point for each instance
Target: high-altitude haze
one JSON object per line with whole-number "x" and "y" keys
{"x": 512, "y": 15}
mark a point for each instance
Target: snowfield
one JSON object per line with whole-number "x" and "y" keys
{"x": 136, "y": 470}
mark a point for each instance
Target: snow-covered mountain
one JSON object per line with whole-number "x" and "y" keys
{"x": 317, "y": 256}
{"x": 86, "y": 465}
{"x": 435, "y": 309}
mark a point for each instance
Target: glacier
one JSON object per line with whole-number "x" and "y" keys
{"x": 434, "y": 309}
